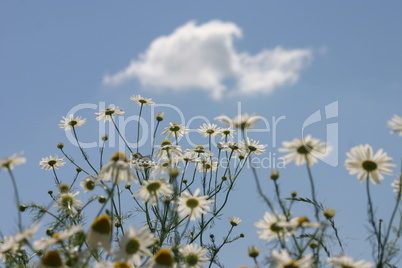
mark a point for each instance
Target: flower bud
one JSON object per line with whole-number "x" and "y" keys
{"x": 274, "y": 175}
{"x": 253, "y": 252}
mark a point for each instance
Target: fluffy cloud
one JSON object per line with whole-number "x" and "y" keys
{"x": 203, "y": 57}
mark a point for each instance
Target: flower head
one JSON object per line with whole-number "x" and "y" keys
{"x": 168, "y": 150}
{"x": 175, "y": 130}
{"x": 348, "y": 262}
{"x": 308, "y": 149}
{"x": 14, "y": 160}
{"x": 193, "y": 205}
{"x": 141, "y": 101}
{"x": 163, "y": 258}
{"x": 227, "y": 133}
{"x": 51, "y": 162}
{"x": 193, "y": 255}
{"x": 234, "y": 221}
{"x": 45, "y": 243}
{"x": 364, "y": 163}
{"x": 134, "y": 244}
{"x": 396, "y": 124}
{"x": 108, "y": 113}
{"x": 51, "y": 259}
{"x": 118, "y": 168}
{"x": 272, "y": 227}
{"x": 206, "y": 165}
{"x": 241, "y": 121}
{"x": 252, "y": 146}
{"x": 209, "y": 130}
{"x": 71, "y": 122}
{"x": 151, "y": 190}
{"x": 68, "y": 202}
{"x": 100, "y": 233}
{"x": 88, "y": 184}
{"x": 397, "y": 185}
{"x": 283, "y": 260}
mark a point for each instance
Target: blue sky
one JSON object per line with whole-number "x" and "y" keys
{"x": 56, "y": 55}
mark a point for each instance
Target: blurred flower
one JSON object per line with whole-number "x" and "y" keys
{"x": 253, "y": 252}
{"x": 14, "y": 160}
{"x": 232, "y": 147}
{"x": 227, "y": 133}
{"x": 117, "y": 264}
{"x": 163, "y": 258}
{"x": 88, "y": 184}
{"x": 206, "y": 165}
{"x": 272, "y": 227}
{"x": 141, "y": 101}
{"x": 168, "y": 150}
{"x": 51, "y": 162}
{"x": 160, "y": 116}
{"x": 252, "y": 146}
{"x": 234, "y": 221}
{"x": 397, "y": 185}
{"x": 300, "y": 222}
{"x": 134, "y": 244}
{"x": 308, "y": 148}
{"x": 198, "y": 151}
{"x": 51, "y": 259}
{"x": 193, "y": 205}
{"x": 100, "y": 233}
{"x": 283, "y": 260}
{"x": 118, "y": 168}
{"x": 396, "y": 124}
{"x": 71, "y": 122}
{"x": 151, "y": 190}
{"x": 242, "y": 122}
{"x": 67, "y": 201}
{"x": 345, "y": 261}
{"x": 362, "y": 162}
{"x": 175, "y": 130}
{"x": 209, "y": 130}
{"x": 193, "y": 255}
{"x": 108, "y": 113}
{"x": 45, "y": 243}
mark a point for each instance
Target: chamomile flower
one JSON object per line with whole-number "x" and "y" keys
{"x": 232, "y": 147}
{"x": 12, "y": 244}
{"x": 168, "y": 150}
{"x": 193, "y": 255}
{"x": 348, "y": 262}
{"x": 117, "y": 264}
{"x": 283, "y": 260}
{"x": 141, "y": 101}
{"x": 163, "y": 258}
{"x": 234, "y": 221}
{"x": 300, "y": 222}
{"x": 308, "y": 149}
{"x": 193, "y": 205}
{"x": 134, "y": 244}
{"x": 364, "y": 163}
{"x": 397, "y": 185}
{"x": 71, "y": 122}
{"x": 100, "y": 233}
{"x": 68, "y": 202}
{"x": 88, "y": 184}
{"x": 227, "y": 133}
{"x": 151, "y": 190}
{"x": 175, "y": 130}
{"x": 396, "y": 124}
{"x": 198, "y": 151}
{"x": 272, "y": 227}
{"x": 241, "y": 121}
{"x": 206, "y": 165}
{"x": 14, "y": 160}
{"x": 51, "y": 259}
{"x": 118, "y": 168}
{"x": 52, "y": 162}
{"x": 108, "y": 113}
{"x": 252, "y": 146}
{"x": 45, "y": 243}
{"x": 209, "y": 130}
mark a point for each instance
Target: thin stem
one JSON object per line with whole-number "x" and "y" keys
{"x": 121, "y": 136}
{"x": 313, "y": 195}
{"x": 84, "y": 154}
{"x": 138, "y": 126}
{"x": 17, "y": 198}
{"x": 371, "y": 210}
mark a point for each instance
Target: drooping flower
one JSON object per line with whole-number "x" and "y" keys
{"x": 282, "y": 259}
{"x": 151, "y": 190}
{"x": 100, "y": 233}
{"x": 14, "y": 160}
{"x": 52, "y": 162}
{"x": 348, "y": 262}
{"x": 119, "y": 169}
{"x": 141, "y": 100}
{"x": 396, "y": 124}
{"x": 193, "y": 255}
{"x": 308, "y": 149}
{"x": 272, "y": 227}
{"x": 134, "y": 244}
{"x": 71, "y": 122}
{"x": 175, "y": 130}
{"x": 364, "y": 163}
{"x": 108, "y": 113}
{"x": 193, "y": 205}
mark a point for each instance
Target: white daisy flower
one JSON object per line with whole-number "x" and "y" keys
{"x": 117, "y": 264}
{"x": 163, "y": 166}
{"x": 88, "y": 184}
{"x": 300, "y": 222}
{"x": 134, "y": 244}
{"x": 396, "y": 124}
{"x": 162, "y": 259}
{"x": 68, "y": 202}
{"x": 206, "y": 165}
{"x": 45, "y": 243}
{"x": 198, "y": 151}
{"x": 252, "y": 146}
{"x": 71, "y": 122}
{"x": 283, "y": 260}
{"x": 345, "y": 261}
{"x": 227, "y": 133}
{"x": 272, "y": 227}
{"x": 397, "y": 185}
{"x": 364, "y": 163}
{"x": 168, "y": 150}
{"x": 193, "y": 255}
{"x": 14, "y": 160}
{"x": 118, "y": 168}
{"x": 51, "y": 259}
{"x": 193, "y": 205}
{"x": 141, "y": 101}
{"x": 51, "y": 162}
{"x": 234, "y": 221}
{"x": 100, "y": 233}
{"x": 174, "y": 130}
{"x": 242, "y": 121}
{"x": 209, "y": 130}
{"x": 143, "y": 164}
{"x": 108, "y": 113}
{"x": 232, "y": 147}
{"x": 309, "y": 147}
{"x": 151, "y": 190}
{"x": 160, "y": 116}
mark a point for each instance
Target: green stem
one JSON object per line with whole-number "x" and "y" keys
{"x": 17, "y": 198}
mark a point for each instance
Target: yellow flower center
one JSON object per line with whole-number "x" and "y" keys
{"x": 121, "y": 265}
{"x": 166, "y": 142}
{"x": 52, "y": 259}
{"x": 164, "y": 257}
{"x": 102, "y": 224}
{"x": 174, "y": 127}
{"x": 153, "y": 186}
{"x": 302, "y": 220}
{"x": 192, "y": 203}
{"x": 292, "y": 264}
{"x": 119, "y": 156}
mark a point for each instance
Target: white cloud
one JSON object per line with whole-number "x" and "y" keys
{"x": 204, "y": 57}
